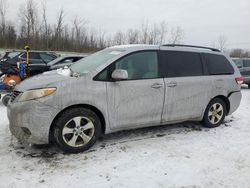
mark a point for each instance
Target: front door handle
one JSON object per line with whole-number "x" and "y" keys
{"x": 156, "y": 86}
{"x": 172, "y": 84}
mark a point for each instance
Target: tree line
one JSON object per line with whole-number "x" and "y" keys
{"x": 221, "y": 44}
{"x": 35, "y": 30}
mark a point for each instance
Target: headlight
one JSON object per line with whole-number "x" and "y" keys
{"x": 36, "y": 93}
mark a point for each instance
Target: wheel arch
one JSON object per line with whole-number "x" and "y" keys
{"x": 90, "y": 107}
{"x": 225, "y": 99}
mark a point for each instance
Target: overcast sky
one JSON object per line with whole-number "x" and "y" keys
{"x": 202, "y": 20}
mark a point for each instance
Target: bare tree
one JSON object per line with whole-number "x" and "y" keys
{"x": 45, "y": 25}
{"x": 239, "y": 53}
{"x": 133, "y": 36}
{"x": 158, "y": 33}
{"x": 101, "y": 40}
{"x": 144, "y": 33}
{"x": 176, "y": 35}
{"x": 79, "y": 32}
{"x": 59, "y": 28}
{"x": 119, "y": 38}
{"x": 3, "y": 10}
{"x": 163, "y": 32}
{"x": 222, "y": 43}
{"x": 28, "y": 14}
{"x": 153, "y": 34}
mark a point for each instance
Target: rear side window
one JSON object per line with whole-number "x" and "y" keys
{"x": 246, "y": 63}
{"x": 32, "y": 55}
{"x": 182, "y": 64}
{"x": 218, "y": 64}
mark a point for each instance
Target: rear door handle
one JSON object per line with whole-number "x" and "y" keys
{"x": 156, "y": 86}
{"x": 172, "y": 84}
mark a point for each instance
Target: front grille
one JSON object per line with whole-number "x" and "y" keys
{"x": 14, "y": 95}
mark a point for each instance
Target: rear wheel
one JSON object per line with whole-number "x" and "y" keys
{"x": 215, "y": 113}
{"x": 77, "y": 129}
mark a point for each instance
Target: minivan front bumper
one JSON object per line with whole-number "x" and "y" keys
{"x": 234, "y": 100}
{"x": 30, "y": 121}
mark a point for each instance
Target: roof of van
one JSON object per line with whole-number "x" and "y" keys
{"x": 181, "y": 47}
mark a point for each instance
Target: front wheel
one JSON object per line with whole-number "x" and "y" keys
{"x": 5, "y": 99}
{"x": 77, "y": 129}
{"x": 215, "y": 113}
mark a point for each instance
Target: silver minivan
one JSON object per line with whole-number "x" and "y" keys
{"x": 125, "y": 87}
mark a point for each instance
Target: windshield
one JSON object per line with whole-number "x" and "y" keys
{"x": 238, "y": 62}
{"x": 93, "y": 61}
{"x": 55, "y": 61}
{"x": 10, "y": 55}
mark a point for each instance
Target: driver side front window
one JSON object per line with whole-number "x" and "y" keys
{"x": 140, "y": 65}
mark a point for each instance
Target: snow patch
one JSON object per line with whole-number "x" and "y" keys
{"x": 182, "y": 155}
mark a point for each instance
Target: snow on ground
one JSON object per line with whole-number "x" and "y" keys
{"x": 183, "y": 155}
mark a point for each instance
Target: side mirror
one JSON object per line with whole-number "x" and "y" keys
{"x": 119, "y": 74}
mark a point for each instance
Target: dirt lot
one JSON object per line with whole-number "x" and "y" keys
{"x": 183, "y": 155}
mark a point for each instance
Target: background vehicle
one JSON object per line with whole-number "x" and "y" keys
{"x": 63, "y": 61}
{"x": 244, "y": 66}
{"x": 37, "y": 60}
{"x": 125, "y": 87}
{"x": 11, "y": 72}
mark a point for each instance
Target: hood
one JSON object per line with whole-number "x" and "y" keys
{"x": 42, "y": 80}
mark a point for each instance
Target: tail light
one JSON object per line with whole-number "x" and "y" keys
{"x": 239, "y": 80}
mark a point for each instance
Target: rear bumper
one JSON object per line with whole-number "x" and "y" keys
{"x": 234, "y": 99}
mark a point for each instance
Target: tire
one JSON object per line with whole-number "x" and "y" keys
{"x": 215, "y": 113}
{"x": 6, "y": 99}
{"x": 249, "y": 86}
{"x": 76, "y": 130}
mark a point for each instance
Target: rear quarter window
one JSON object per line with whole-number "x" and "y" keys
{"x": 32, "y": 55}
{"x": 218, "y": 64}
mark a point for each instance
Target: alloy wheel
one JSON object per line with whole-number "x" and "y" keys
{"x": 78, "y": 131}
{"x": 215, "y": 113}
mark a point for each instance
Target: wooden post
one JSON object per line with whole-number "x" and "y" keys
{"x": 27, "y": 48}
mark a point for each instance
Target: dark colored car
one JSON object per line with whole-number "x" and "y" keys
{"x": 243, "y": 65}
{"x": 37, "y": 60}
